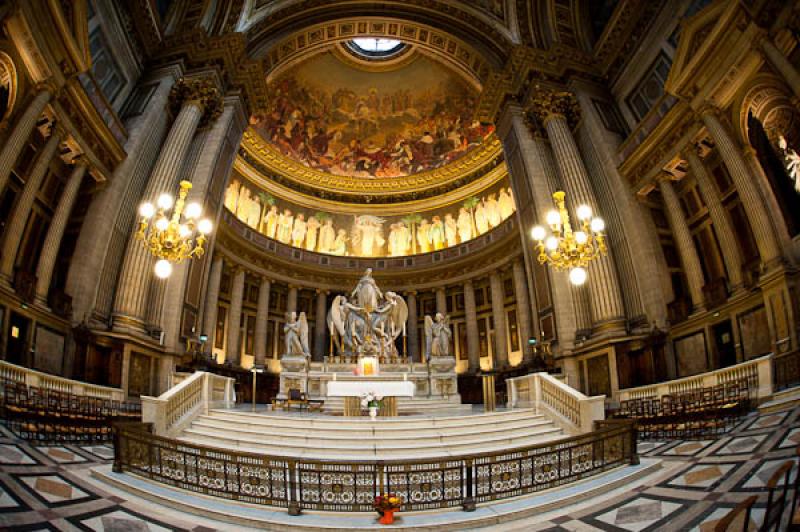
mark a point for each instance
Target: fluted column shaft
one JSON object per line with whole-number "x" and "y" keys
{"x": 441, "y": 301}
{"x": 719, "y": 218}
{"x": 473, "y": 339}
{"x": 235, "y": 317}
{"x": 291, "y": 299}
{"x": 319, "y": 325}
{"x": 780, "y": 63}
{"x": 411, "y": 327}
{"x": 212, "y": 302}
{"x": 47, "y": 260}
{"x": 136, "y": 275}
{"x": 604, "y": 291}
{"x": 523, "y": 306}
{"x": 16, "y": 227}
{"x": 262, "y": 314}
{"x": 757, "y": 214}
{"x": 19, "y": 135}
{"x": 684, "y": 242}
{"x": 499, "y": 318}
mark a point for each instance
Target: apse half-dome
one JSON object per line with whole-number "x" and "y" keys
{"x": 348, "y": 116}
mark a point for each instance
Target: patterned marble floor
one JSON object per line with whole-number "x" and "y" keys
{"x": 49, "y": 488}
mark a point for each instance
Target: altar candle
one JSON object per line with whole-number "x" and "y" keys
{"x": 334, "y": 376}
{"x": 405, "y": 376}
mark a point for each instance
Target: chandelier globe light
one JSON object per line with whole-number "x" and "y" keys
{"x": 176, "y": 236}
{"x": 566, "y": 249}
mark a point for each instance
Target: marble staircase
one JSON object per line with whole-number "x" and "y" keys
{"x": 411, "y": 405}
{"x": 329, "y": 437}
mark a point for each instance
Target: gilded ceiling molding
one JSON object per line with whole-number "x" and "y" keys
{"x": 312, "y": 200}
{"x": 624, "y": 31}
{"x": 438, "y": 43}
{"x": 274, "y": 162}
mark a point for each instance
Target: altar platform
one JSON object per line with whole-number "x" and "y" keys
{"x": 324, "y": 436}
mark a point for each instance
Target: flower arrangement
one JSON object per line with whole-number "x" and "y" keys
{"x": 386, "y": 505}
{"x": 371, "y": 399}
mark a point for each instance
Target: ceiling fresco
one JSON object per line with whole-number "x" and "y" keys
{"x": 341, "y": 118}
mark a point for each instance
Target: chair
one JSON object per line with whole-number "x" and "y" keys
{"x": 794, "y": 511}
{"x": 777, "y": 500}
{"x": 298, "y": 398}
{"x": 737, "y": 519}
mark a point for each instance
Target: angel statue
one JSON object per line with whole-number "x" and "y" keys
{"x": 792, "y": 162}
{"x": 437, "y": 336}
{"x": 296, "y": 335}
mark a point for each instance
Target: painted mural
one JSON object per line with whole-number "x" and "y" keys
{"x": 343, "y": 120}
{"x": 368, "y": 235}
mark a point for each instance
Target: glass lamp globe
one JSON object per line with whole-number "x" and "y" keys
{"x": 581, "y": 237}
{"x": 146, "y": 210}
{"x": 184, "y": 231}
{"x": 577, "y": 276}
{"x": 164, "y": 201}
{"x": 598, "y": 225}
{"x": 551, "y": 243}
{"x": 193, "y": 211}
{"x": 163, "y": 269}
{"x": 553, "y": 218}
{"x": 205, "y": 226}
{"x": 584, "y": 212}
{"x": 162, "y": 224}
{"x": 538, "y": 233}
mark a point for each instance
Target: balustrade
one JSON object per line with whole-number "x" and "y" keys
{"x": 31, "y": 377}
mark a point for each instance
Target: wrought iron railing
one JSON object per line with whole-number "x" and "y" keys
{"x": 786, "y": 370}
{"x": 350, "y": 486}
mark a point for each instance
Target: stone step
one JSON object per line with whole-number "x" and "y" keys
{"x": 365, "y": 450}
{"x": 333, "y": 436}
{"x": 782, "y": 400}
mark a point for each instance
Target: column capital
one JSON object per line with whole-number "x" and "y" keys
{"x": 264, "y": 279}
{"x": 709, "y": 109}
{"x": 411, "y": 293}
{"x": 546, "y": 104}
{"x": 200, "y": 92}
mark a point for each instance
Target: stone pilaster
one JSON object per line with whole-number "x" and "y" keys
{"x": 232, "y": 347}
{"x": 19, "y": 134}
{"x": 107, "y": 226}
{"x": 441, "y": 301}
{"x": 555, "y": 111}
{"x": 411, "y": 327}
{"x": 781, "y": 64}
{"x": 319, "y": 326}
{"x": 499, "y": 318}
{"x": 473, "y": 339}
{"x": 719, "y": 218}
{"x": 262, "y": 315}
{"x": 16, "y": 227}
{"x": 47, "y": 260}
{"x": 136, "y": 274}
{"x": 291, "y": 299}
{"x": 765, "y": 237}
{"x": 684, "y": 243}
{"x": 212, "y": 302}
{"x": 533, "y": 176}
{"x": 523, "y": 307}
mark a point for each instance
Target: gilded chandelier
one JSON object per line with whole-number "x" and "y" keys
{"x": 172, "y": 238}
{"x": 565, "y": 249}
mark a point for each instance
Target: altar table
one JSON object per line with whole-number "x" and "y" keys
{"x": 352, "y": 390}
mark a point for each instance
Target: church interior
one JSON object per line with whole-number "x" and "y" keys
{"x": 494, "y": 265}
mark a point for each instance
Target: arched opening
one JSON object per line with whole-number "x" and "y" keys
{"x": 8, "y": 86}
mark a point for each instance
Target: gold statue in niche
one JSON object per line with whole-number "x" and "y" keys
{"x": 407, "y": 235}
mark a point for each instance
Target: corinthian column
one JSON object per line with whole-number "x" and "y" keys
{"x": 757, "y": 214}
{"x": 260, "y": 341}
{"x": 441, "y": 301}
{"x": 499, "y": 318}
{"x": 779, "y": 62}
{"x": 319, "y": 325}
{"x": 523, "y": 307}
{"x": 47, "y": 260}
{"x": 235, "y": 317}
{"x": 212, "y": 301}
{"x": 473, "y": 340}
{"x": 197, "y": 102}
{"x": 291, "y": 299}
{"x": 719, "y": 218}
{"x": 411, "y": 327}
{"x": 684, "y": 243}
{"x": 19, "y": 135}
{"x": 557, "y": 112}
{"x": 16, "y": 227}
